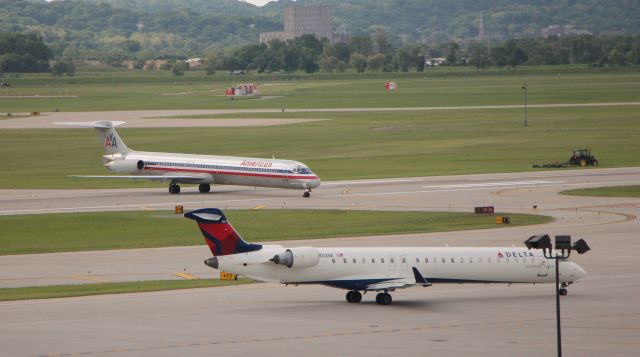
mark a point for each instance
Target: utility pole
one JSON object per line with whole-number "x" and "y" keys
{"x": 524, "y": 86}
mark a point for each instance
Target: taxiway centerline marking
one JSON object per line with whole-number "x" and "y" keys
{"x": 89, "y": 278}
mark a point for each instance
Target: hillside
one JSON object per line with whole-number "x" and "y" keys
{"x": 166, "y": 28}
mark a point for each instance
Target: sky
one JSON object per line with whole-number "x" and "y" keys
{"x": 257, "y": 2}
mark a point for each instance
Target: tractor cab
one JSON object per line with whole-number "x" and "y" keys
{"x": 583, "y": 157}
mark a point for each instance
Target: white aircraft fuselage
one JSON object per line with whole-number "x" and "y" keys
{"x": 224, "y": 170}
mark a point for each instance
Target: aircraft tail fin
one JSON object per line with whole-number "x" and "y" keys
{"x": 106, "y": 133}
{"x": 219, "y": 234}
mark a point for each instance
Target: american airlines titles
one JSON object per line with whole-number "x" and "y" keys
{"x": 256, "y": 163}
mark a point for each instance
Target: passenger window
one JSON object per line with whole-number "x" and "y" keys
{"x": 452, "y": 260}
{"x": 354, "y": 260}
{"x": 363, "y": 261}
{"x": 333, "y": 260}
{"x": 344, "y": 260}
{"x": 444, "y": 261}
{"x": 470, "y": 260}
{"x": 461, "y": 260}
{"x": 373, "y": 260}
{"x": 391, "y": 259}
{"x": 417, "y": 260}
{"x": 426, "y": 260}
{"x": 403, "y": 260}
{"x": 381, "y": 260}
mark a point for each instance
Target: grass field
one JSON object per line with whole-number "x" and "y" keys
{"x": 436, "y": 87}
{"x": 349, "y": 145}
{"x": 60, "y": 291}
{"x": 615, "y": 191}
{"x": 113, "y": 230}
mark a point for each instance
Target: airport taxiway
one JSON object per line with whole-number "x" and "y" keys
{"x": 600, "y": 316}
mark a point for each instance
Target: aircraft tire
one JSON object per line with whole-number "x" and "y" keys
{"x": 306, "y": 194}
{"x": 204, "y": 187}
{"x": 174, "y": 189}
{"x": 354, "y": 296}
{"x": 383, "y": 299}
{"x": 563, "y": 292}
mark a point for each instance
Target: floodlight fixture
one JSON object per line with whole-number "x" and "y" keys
{"x": 581, "y": 246}
{"x": 563, "y": 243}
{"x": 541, "y": 241}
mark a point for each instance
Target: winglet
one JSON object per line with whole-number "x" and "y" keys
{"x": 419, "y": 278}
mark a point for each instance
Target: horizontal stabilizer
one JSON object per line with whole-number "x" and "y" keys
{"x": 91, "y": 124}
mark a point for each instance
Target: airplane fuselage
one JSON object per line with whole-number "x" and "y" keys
{"x": 358, "y": 268}
{"x": 224, "y": 170}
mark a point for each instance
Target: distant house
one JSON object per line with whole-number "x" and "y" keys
{"x": 432, "y": 62}
{"x": 554, "y": 30}
{"x": 194, "y": 63}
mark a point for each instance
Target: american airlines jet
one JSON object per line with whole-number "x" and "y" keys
{"x": 380, "y": 269}
{"x": 197, "y": 169}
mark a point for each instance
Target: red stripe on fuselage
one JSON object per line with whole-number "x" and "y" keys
{"x": 254, "y": 174}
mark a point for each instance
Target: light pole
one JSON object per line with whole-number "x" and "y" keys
{"x": 563, "y": 243}
{"x": 524, "y": 86}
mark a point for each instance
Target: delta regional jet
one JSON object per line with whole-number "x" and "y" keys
{"x": 197, "y": 169}
{"x": 380, "y": 269}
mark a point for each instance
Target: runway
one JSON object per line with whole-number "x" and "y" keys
{"x": 600, "y": 316}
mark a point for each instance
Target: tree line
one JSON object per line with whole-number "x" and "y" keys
{"x": 375, "y": 53}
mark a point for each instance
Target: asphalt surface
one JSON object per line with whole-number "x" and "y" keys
{"x": 600, "y": 316}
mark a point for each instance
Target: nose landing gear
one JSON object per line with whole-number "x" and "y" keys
{"x": 307, "y": 193}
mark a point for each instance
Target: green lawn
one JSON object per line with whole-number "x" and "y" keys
{"x": 436, "y": 87}
{"x": 60, "y": 291}
{"x": 614, "y": 191}
{"x": 121, "y": 230}
{"x": 350, "y": 145}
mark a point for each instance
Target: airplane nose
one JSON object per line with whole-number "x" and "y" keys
{"x": 581, "y": 273}
{"x": 313, "y": 183}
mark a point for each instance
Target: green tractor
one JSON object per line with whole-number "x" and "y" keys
{"x": 583, "y": 157}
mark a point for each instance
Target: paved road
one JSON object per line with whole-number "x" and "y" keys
{"x": 600, "y": 316}
{"x": 163, "y": 118}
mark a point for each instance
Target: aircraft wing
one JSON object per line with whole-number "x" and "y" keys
{"x": 182, "y": 178}
{"x": 401, "y": 283}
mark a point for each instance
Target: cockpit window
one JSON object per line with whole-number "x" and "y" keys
{"x": 301, "y": 170}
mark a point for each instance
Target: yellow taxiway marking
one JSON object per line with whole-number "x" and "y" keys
{"x": 145, "y": 208}
{"x": 259, "y": 207}
{"x": 345, "y": 192}
{"x": 89, "y": 278}
{"x": 185, "y": 276}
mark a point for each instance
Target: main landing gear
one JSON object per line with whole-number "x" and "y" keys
{"x": 307, "y": 193}
{"x": 382, "y": 298}
{"x": 354, "y": 296}
{"x": 174, "y": 188}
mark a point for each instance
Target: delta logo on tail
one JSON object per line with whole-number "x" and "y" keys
{"x": 110, "y": 142}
